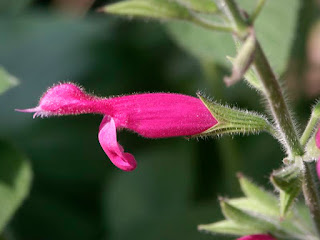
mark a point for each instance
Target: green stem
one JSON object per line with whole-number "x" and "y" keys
{"x": 277, "y": 103}
{"x": 311, "y": 191}
{"x": 232, "y": 11}
{"x": 314, "y": 119}
{"x": 257, "y": 11}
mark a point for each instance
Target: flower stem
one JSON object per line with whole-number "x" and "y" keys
{"x": 311, "y": 191}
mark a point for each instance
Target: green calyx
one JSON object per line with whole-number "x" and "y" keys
{"x": 234, "y": 121}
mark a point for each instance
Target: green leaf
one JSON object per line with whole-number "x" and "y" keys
{"x": 288, "y": 181}
{"x": 258, "y": 194}
{"x": 15, "y": 181}
{"x": 247, "y": 219}
{"x": 214, "y": 46}
{"x": 233, "y": 121}
{"x": 157, "y": 9}
{"x": 202, "y": 43}
{"x": 7, "y": 81}
{"x": 227, "y": 227}
{"x": 202, "y": 6}
{"x": 251, "y": 205}
{"x": 304, "y": 214}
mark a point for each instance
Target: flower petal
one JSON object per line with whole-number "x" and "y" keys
{"x": 257, "y": 237}
{"x": 108, "y": 141}
{"x": 318, "y": 138}
{"x": 37, "y": 112}
{"x": 161, "y": 115}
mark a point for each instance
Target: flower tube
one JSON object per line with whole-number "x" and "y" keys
{"x": 151, "y": 115}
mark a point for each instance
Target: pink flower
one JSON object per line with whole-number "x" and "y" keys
{"x": 318, "y": 145}
{"x": 257, "y": 237}
{"x": 152, "y": 115}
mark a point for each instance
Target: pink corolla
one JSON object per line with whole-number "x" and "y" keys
{"x": 257, "y": 237}
{"x": 151, "y": 115}
{"x": 318, "y": 138}
{"x": 318, "y": 145}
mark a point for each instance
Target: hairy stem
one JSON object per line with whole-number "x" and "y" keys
{"x": 271, "y": 86}
{"x": 277, "y": 103}
{"x": 311, "y": 191}
{"x": 309, "y": 129}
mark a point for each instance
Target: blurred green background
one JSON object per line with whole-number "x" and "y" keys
{"x": 76, "y": 192}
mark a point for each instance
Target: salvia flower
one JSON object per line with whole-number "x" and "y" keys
{"x": 151, "y": 115}
{"x": 257, "y": 237}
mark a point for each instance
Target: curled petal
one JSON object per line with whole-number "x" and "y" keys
{"x": 108, "y": 141}
{"x": 257, "y": 237}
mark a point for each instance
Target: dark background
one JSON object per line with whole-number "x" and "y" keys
{"x": 76, "y": 192}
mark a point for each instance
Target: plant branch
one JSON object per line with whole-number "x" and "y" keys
{"x": 314, "y": 119}
{"x": 271, "y": 86}
{"x": 311, "y": 191}
{"x": 277, "y": 103}
{"x": 232, "y": 11}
